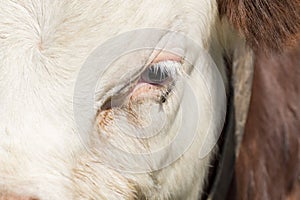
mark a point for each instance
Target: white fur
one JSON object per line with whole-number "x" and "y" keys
{"x": 43, "y": 44}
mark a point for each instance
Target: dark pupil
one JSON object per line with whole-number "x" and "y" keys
{"x": 156, "y": 75}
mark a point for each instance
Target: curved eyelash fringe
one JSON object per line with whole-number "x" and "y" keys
{"x": 172, "y": 68}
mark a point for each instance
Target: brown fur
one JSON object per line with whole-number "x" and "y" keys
{"x": 268, "y": 166}
{"x": 266, "y": 24}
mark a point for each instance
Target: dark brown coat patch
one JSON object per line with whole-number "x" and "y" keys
{"x": 266, "y": 24}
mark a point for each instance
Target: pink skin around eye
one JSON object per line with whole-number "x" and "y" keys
{"x": 160, "y": 56}
{"x": 143, "y": 89}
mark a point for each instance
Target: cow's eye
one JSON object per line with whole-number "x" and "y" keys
{"x": 159, "y": 73}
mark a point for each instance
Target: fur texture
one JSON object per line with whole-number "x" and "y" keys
{"x": 44, "y": 43}
{"x": 267, "y": 24}
{"x": 268, "y": 166}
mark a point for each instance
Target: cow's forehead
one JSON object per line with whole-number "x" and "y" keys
{"x": 45, "y": 43}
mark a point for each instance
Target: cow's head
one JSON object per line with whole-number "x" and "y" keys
{"x": 122, "y": 100}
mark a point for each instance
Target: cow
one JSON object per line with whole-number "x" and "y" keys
{"x": 142, "y": 99}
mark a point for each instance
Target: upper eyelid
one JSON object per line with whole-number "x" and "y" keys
{"x": 166, "y": 56}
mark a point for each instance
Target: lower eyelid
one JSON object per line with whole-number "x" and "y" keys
{"x": 165, "y": 56}
{"x": 145, "y": 90}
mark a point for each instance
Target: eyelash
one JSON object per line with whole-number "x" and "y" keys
{"x": 168, "y": 72}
